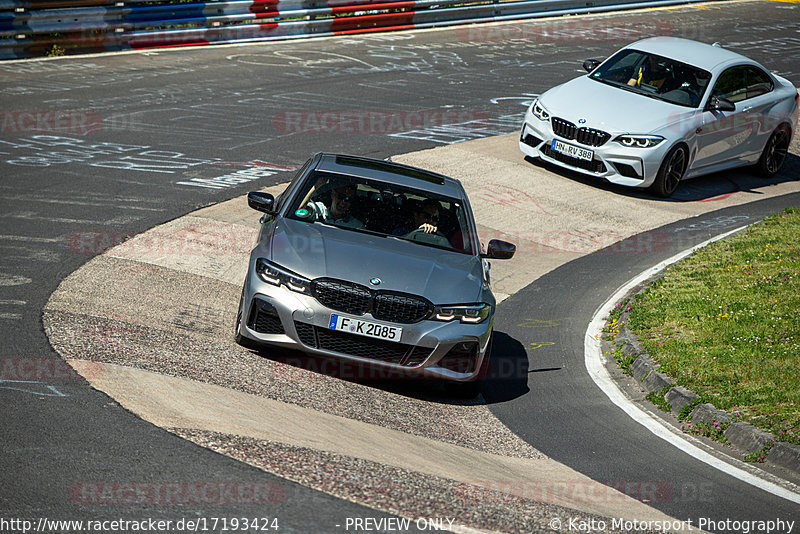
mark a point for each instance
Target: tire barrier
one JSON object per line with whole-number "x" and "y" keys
{"x": 32, "y": 28}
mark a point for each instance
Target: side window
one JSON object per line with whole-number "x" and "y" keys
{"x": 732, "y": 84}
{"x": 283, "y": 197}
{"x": 758, "y": 82}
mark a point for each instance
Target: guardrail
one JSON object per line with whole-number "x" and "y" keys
{"x": 30, "y": 28}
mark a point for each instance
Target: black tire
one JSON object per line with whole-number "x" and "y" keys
{"x": 470, "y": 390}
{"x": 671, "y": 171}
{"x": 774, "y": 154}
{"x": 240, "y": 340}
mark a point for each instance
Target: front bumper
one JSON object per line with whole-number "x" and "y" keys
{"x": 275, "y": 315}
{"x": 612, "y": 162}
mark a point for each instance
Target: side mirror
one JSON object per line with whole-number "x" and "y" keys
{"x": 720, "y": 104}
{"x": 261, "y": 201}
{"x": 590, "y": 64}
{"x": 499, "y": 250}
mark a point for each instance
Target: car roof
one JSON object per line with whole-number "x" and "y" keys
{"x": 705, "y": 56}
{"x": 391, "y": 172}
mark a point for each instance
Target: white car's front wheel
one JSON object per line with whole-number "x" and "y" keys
{"x": 671, "y": 171}
{"x": 774, "y": 154}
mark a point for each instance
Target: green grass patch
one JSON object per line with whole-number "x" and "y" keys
{"x": 758, "y": 456}
{"x": 658, "y": 398}
{"x": 625, "y": 361}
{"x": 714, "y": 431}
{"x": 725, "y": 323}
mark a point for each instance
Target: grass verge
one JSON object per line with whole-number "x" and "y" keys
{"x": 725, "y": 323}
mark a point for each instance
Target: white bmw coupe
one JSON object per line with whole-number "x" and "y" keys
{"x": 662, "y": 110}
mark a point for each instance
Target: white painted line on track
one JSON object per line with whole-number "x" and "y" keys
{"x": 593, "y": 360}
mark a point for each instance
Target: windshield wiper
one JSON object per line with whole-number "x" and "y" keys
{"x": 612, "y": 83}
{"x": 636, "y": 91}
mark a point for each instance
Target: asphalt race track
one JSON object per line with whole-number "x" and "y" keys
{"x": 121, "y": 143}
{"x": 584, "y": 430}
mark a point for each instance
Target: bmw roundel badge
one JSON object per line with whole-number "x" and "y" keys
{"x": 581, "y": 121}
{"x": 375, "y": 281}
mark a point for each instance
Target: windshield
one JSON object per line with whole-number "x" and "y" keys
{"x": 654, "y": 76}
{"x": 392, "y": 211}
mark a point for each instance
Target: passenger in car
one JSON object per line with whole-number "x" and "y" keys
{"x": 652, "y": 72}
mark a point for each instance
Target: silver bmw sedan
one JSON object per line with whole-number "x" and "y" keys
{"x": 376, "y": 263}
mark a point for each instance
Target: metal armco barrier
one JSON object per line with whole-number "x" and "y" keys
{"x": 30, "y": 28}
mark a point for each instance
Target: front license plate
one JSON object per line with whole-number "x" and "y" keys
{"x": 365, "y": 328}
{"x": 572, "y": 150}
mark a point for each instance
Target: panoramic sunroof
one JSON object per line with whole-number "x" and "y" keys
{"x": 388, "y": 166}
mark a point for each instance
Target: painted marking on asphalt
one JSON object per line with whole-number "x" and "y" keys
{"x": 539, "y": 344}
{"x": 233, "y": 179}
{"x": 32, "y": 216}
{"x": 539, "y": 323}
{"x": 716, "y": 223}
{"x": 53, "y": 150}
{"x": 449, "y": 134}
{"x": 593, "y": 359}
{"x": 11, "y": 315}
{"x": 121, "y": 203}
{"x": 19, "y": 385}
{"x": 31, "y": 239}
{"x": 7, "y": 280}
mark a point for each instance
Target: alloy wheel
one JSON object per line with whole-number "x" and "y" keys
{"x": 776, "y": 151}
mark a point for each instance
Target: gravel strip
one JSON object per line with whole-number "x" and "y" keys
{"x": 175, "y": 336}
{"x": 393, "y": 490}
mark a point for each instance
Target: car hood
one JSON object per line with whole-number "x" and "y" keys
{"x": 317, "y": 250}
{"x": 612, "y": 109}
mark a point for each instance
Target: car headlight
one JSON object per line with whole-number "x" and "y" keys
{"x": 639, "y": 141}
{"x": 276, "y": 275}
{"x": 539, "y": 112}
{"x": 469, "y": 313}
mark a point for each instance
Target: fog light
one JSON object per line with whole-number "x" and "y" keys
{"x": 461, "y": 358}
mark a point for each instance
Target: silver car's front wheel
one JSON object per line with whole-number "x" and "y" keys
{"x": 237, "y": 336}
{"x": 671, "y": 171}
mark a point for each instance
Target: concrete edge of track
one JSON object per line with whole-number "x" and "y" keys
{"x": 596, "y": 368}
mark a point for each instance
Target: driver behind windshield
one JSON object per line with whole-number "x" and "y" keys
{"x": 425, "y": 217}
